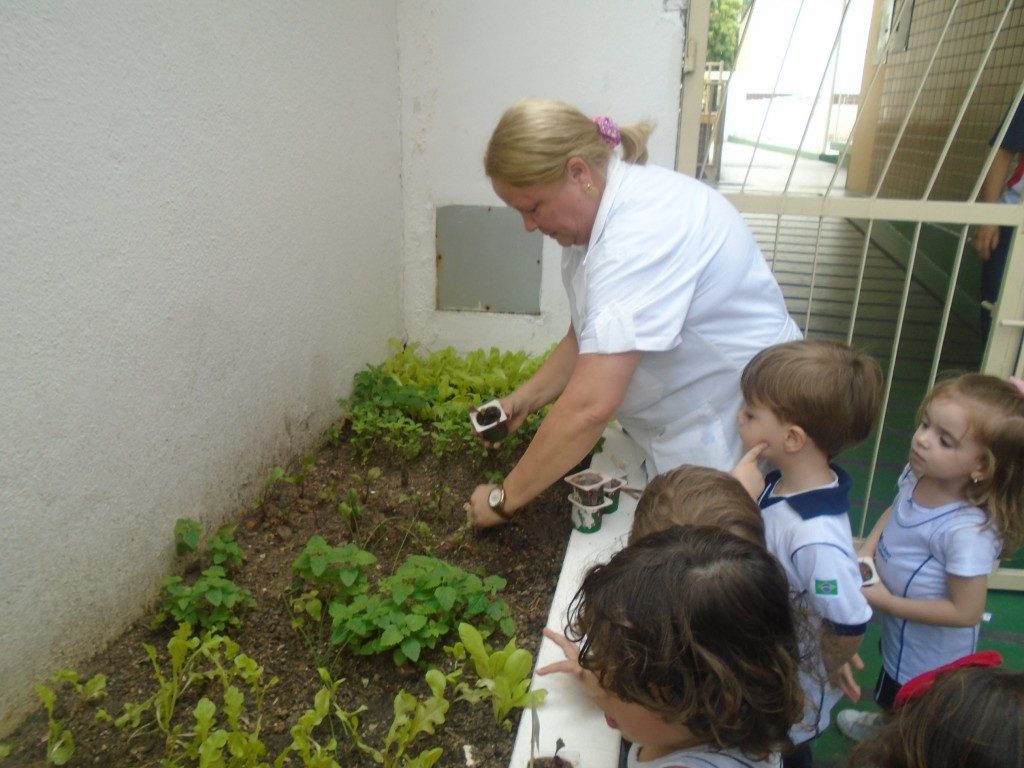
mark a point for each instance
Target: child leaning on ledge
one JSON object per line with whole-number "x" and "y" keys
{"x": 805, "y": 403}
{"x": 688, "y": 643}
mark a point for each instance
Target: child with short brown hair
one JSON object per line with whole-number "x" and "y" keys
{"x": 805, "y": 402}
{"x": 692, "y": 495}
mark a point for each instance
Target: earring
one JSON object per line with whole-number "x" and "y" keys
{"x": 590, "y": 190}
{"x": 975, "y": 480}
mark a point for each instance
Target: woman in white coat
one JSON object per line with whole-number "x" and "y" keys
{"x": 669, "y": 298}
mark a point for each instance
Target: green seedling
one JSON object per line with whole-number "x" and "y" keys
{"x": 187, "y": 534}
{"x": 412, "y": 719}
{"x": 338, "y": 572}
{"x": 223, "y": 549}
{"x": 503, "y": 676}
{"x": 417, "y": 606}
{"x": 213, "y": 602}
{"x": 211, "y": 663}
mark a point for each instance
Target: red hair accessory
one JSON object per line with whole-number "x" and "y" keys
{"x": 921, "y": 684}
{"x": 1018, "y": 385}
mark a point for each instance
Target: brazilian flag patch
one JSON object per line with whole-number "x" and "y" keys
{"x": 826, "y": 587}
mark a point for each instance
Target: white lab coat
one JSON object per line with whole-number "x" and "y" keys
{"x": 672, "y": 270}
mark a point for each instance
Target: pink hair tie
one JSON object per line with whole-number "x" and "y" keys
{"x": 1018, "y": 385}
{"x": 609, "y": 130}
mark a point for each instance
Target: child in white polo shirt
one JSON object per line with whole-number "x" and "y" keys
{"x": 806, "y": 402}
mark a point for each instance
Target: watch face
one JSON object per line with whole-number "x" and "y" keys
{"x": 495, "y": 498}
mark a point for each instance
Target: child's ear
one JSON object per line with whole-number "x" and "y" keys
{"x": 795, "y": 439}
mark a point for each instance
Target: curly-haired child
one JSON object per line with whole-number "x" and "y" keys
{"x": 688, "y": 643}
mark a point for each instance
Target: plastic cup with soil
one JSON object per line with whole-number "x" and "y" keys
{"x": 490, "y": 421}
{"x": 612, "y": 485}
{"x": 586, "y": 518}
{"x": 589, "y": 487}
{"x": 567, "y": 759}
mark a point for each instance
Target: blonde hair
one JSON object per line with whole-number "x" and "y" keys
{"x": 995, "y": 409}
{"x": 830, "y": 390}
{"x": 692, "y": 495}
{"x": 535, "y": 138}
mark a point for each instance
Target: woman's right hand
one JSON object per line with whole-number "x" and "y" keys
{"x": 516, "y": 410}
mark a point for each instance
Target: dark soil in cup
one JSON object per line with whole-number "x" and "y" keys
{"x": 487, "y": 416}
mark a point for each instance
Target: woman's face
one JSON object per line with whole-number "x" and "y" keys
{"x": 562, "y": 210}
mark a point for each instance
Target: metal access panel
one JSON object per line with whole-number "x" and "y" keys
{"x": 486, "y": 261}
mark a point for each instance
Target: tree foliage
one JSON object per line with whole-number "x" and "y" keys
{"x": 724, "y": 30}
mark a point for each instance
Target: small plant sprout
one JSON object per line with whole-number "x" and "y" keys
{"x": 213, "y": 602}
{"x": 503, "y": 676}
{"x": 60, "y": 741}
{"x": 351, "y": 511}
{"x": 223, "y": 549}
{"x": 187, "y": 534}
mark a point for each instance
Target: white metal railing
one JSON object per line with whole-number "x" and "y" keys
{"x": 1004, "y": 352}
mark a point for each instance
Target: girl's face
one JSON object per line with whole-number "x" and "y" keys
{"x": 642, "y": 726}
{"x": 561, "y": 210}
{"x": 944, "y": 447}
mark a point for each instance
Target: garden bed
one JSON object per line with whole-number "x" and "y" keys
{"x": 413, "y": 507}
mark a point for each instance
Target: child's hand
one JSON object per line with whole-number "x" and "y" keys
{"x": 571, "y": 665}
{"x": 877, "y": 595}
{"x": 748, "y": 473}
{"x": 845, "y": 680}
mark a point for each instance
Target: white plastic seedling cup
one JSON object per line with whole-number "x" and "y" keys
{"x": 495, "y": 430}
{"x": 586, "y": 518}
{"x": 589, "y": 486}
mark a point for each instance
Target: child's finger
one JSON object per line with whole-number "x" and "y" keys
{"x": 753, "y": 454}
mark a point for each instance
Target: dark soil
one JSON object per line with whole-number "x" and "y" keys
{"x": 413, "y": 508}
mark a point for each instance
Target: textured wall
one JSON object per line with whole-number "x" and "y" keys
{"x": 462, "y": 64}
{"x": 200, "y": 229}
{"x": 961, "y": 51}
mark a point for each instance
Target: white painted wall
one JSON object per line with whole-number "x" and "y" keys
{"x": 200, "y": 229}
{"x": 462, "y": 64}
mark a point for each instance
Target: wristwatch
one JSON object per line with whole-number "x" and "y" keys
{"x": 496, "y": 501}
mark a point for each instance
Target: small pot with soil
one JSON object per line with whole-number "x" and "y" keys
{"x": 566, "y": 760}
{"x": 612, "y": 486}
{"x": 489, "y": 420}
{"x": 586, "y": 518}
{"x": 589, "y": 487}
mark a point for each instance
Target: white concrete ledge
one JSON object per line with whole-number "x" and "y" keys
{"x": 569, "y": 713}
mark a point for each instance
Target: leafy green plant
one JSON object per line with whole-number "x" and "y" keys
{"x": 411, "y": 396}
{"x": 60, "y": 741}
{"x": 209, "y": 662}
{"x": 503, "y": 675}
{"x": 351, "y": 511}
{"x": 412, "y": 718}
{"x": 416, "y": 607}
{"x": 5, "y": 751}
{"x": 339, "y": 572}
{"x": 187, "y": 534}
{"x": 223, "y": 549}
{"x": 304, "y": 743}
{"x": 213, "y": 602}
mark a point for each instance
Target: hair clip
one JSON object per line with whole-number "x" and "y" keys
{"x": 918, "y": 686}
{"x": 609, "y": 130}
{"x": 1018, "y": 384}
